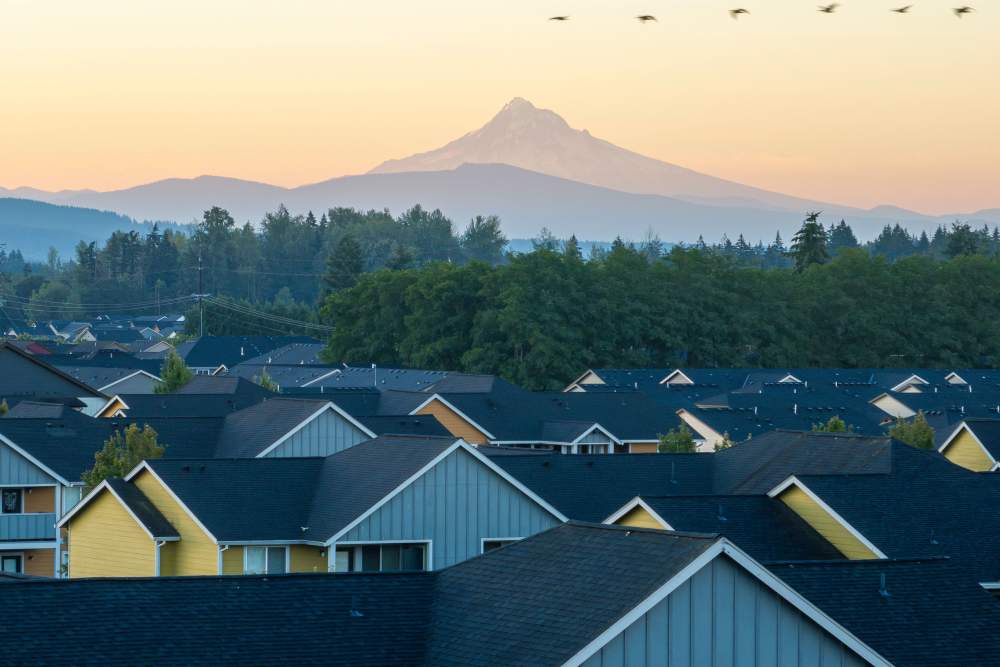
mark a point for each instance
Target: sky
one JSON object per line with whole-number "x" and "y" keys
{"x": 862, "y": 107}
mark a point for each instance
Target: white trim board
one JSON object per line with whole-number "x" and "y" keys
{"x": 794, "y": 481}
{"x": 145, "y": 466}
{"x": 129, "y": 377}
{"x": 954, "y": 434}
{"x": 44, "y": 468}
{"x": 94, "y": 493}
{"x": 779, "y": 587}
{"x": 631, "y": 505}
{"x": 414, "y": 411}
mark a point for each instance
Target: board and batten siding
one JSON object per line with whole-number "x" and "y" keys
{"x": 105, "y": 541}
{"x": 723, "y": 616}
{"x": 964, "y": 451}
{"x": 195, "y": 553}
{"x": 15, "y": 469}
{"x": 327, "y": 434}
{"x": 456, "y": 505}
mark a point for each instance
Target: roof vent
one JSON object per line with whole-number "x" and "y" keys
{"x": 882, "y": 590}
{"x": 186, "y": 468}
{"x": 721, "y": 516}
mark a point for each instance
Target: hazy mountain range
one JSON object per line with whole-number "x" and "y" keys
{"x": 526, "y": 165}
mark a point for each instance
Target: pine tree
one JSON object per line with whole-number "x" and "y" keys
{"x": 834, "y": 425}
{"x": 678, "y": 440}
{"x": 809, "y": 245}
{"x": 916, "y": 432}
{"x": 344, "y": 265}
{"x": 572, "y": 249}
{"x": 175, "y": 374}
{"x": 841, "y": 237}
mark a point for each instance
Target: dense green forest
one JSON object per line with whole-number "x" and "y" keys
{"x": 413, "y": 291}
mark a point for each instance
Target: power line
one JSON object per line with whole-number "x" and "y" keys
{"x": 270, "y": 317}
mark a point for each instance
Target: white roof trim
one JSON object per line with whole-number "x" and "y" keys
{"x": 327, "y": 406}
{"x": 458, "y": 444}
{"x": 913, "y": 379}
{"x": 461, "y": 414}
{"x": 671, "y": 375}
{"x": 789, "y": 379}
{"x": 322, "y": 377}
{"x": 963, "y": 426}
{"x": 145, "y": 466}
{"x": 596, "y": 427}
{"x": 783, "y": 590}
{"x": 129, "y": 376}
{"x": 47, "y": 470}
{"x": 97, "y": 489}
{"x": 953, "y": 374}
{"x": 631, "y": 505}
{"x": 116, "y": 397}
{"x": 794, "y": 481}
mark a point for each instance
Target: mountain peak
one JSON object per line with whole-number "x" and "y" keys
{"x": 518, "y": 104}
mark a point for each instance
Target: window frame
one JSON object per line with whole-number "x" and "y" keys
{"x": 428, "y": 546}
{"x": 19, "y": 555}
{"x": 265, "y": 547}
{"x": 20, "y": 490}
{"x": 507, "y": 540}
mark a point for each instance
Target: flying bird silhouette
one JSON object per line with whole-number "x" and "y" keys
{"x": 735, "y": 13}
{"x": 813, "y": 216}
{"x": 559, "y": 18}
{"x": 645, "y": 18}
{"x": 963, "y": 10}
{"x": 902, "y": 10}
{"x": 829, "y": 9}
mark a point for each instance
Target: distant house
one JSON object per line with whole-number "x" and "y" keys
{"x": 210, "y": 355}
{"x": 974, "y": 445}
{"x": 24, "y": 375}
{"x": 393, "y": 503}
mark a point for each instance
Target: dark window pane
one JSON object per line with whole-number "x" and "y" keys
{"x": 370, "y": 557}
{"x": 10, "y": 564}
{"x": 276, "y": 560}
{"x": 413, "y": 557}
{"x": 390, "y": 558}
{"x": 10, "y": 501}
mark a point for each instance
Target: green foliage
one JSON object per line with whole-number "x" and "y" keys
{"x": 121, "y": 453}
{"x": 678, "y": 440}
{"x": 4, "y": 408}
{"x": 265, "y": 381}
{"x": 833, "y": 425}
{"x": 725, "y": 443}
{"x": 175, "y": 374}
{"x": 809, "y": 246}
{"x": 915, "y": 432}
{"x": 344, "y": 265}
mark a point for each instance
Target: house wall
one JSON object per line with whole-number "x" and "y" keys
{"x": 643, "y": 448}
{"x": 893, "y": 407}
{"x": 455, "y": 424}
{"x": 710, "y": 436}
{"x": 724, "y": 616}
{"x": 232, "y": 560}
{"x": 104, "y": 541}
{"x": 825, "y": 525}
{"x": 965, "y": 451}
{"x": 138, "y": 384}
{"x": 302, "y": 558}
{"x": 40, "y": 562}
{"x": 15, "y": 469}
{"x": 195, "y": 553}
{"x": 639, "y": 518}
{"x": 455, "y": 505}
{"x": 40, "y": 499}
{"x": 327, "y": 434}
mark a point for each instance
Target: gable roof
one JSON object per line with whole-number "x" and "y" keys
{"x": 985, "y": 431}
{"x": 215, "y": 351}
{"x": 24, "y": 374}
{"x": 141, "y": 509}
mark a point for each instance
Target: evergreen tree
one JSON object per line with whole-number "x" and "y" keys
{"x": 572, "y": 249}
{"x": 841, "y": 236}
{"x": 344, "y": 265}
{"x": 809, "y": 245}
{"x": 401, "y": 258}
{"x": 962, "y": 241}
{"x": 121, "y": 454}
{"x": 175, "y": 374}
{"x": 483, "y": 240}
{"x": 833, "y": 425}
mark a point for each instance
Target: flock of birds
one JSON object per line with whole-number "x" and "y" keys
{"x": 825, "y": 9}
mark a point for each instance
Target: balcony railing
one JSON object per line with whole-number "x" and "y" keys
{"x": 23, "y": 527}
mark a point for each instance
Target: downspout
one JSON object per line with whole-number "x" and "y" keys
{"x": 159, "y": 543}
{"x": 222, "y": 548}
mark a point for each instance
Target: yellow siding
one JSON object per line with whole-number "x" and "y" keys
{"x": 40, "y": 562}
{"x": 232, "y": 560}
{"x": 642, "y": 448}
{"x": 824, "y": 524}
{"x": 454, "y": 423}
{"x": 965, "y": 451}
{"x": 110, "y": 411}
{"x": 640, "y": 518}
{"x": 40, "y": 499}
{"x": 196, "y": 553}
{"x": 105, "y": 541}
{"x": 307, "y": 559}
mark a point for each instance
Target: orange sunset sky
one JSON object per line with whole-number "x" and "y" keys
{"x": 861, "y": 107}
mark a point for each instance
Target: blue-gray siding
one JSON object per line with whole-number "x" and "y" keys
{"x": 15, "y": 469}
{"x": 456, "y": 504}
{"x": 327, "y": 434}
{"x": 27, "y": 527}
{"x": 595, "y": 438}
{"x": 724, "y": 617}
{"x": 138, "y": 384}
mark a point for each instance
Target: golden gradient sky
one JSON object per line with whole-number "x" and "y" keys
{"x": 861, "y": 107}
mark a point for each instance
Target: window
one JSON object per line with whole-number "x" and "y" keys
{"x": 10, "y": 563}
{"x": 382, "y": 558}
{"x": 265, "y": 560}
{"x": 490, "y": 545}
{"x": 11, "y": 501}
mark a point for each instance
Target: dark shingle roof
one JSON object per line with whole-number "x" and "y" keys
{"x": 933, "y": 616}
{"x": 988, "y": 433}
{"x": 214, "y": 351}
{"x": 250, "y": 431}
{"x": 186, "y": 405}
{"x": 540, "y": 601}
{"x": 143, "y": 510}
{"x": 763, "y": 527}
{"x": 347, "y": 620}
{"x": 229, "y": 385}
{"x": 404, "y": 425}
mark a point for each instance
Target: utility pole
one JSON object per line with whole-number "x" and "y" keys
{"x": 200, "y": 296}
